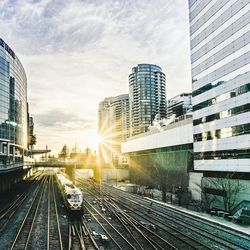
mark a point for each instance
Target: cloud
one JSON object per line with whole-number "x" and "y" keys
{"x": 64, "y": 120}
{"x": 78, "y": 52}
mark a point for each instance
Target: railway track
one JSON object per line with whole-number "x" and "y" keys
{"x": 23, "y": 234}
{"x": 34, "y": 232}
{"x": 144, "y": 234}
{"x": 80, "y": 236}
{"x": 140, "y": 236}
{"x": 116, "y": 239}
{"x": 171, "y": 224}
{"x": 213, "y": 235}
{"x": 54, "y": 237}
{"x": 7, "y": 213}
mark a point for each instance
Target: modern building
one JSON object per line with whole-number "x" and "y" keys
{"x": 13, "y": 107}
{"x": 147, "y": 96}
{"x": 162, "y": 159}
{"x": 14, "y": 165}
{"x": 113, "y": 126}
{"x": 179, "y": 105}
{"x": 220, "y": 57}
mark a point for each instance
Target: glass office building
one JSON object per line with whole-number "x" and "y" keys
{"x": 220, "y": 56}
{"x": 13, "y": 107}
{"x": 147, "y": 95}
{"x": 113, "y": 128}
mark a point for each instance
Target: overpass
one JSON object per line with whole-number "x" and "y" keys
{"x": 69, "y": 167}
{"x": 62, "y": 164}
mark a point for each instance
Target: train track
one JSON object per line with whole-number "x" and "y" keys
{"x": 116, "y": 238}
{"x": 80, "y": 236}
{"x": 23, "y": 235}
{"x": 34, "y": 232}
{"x": 7, "y": 213}
{"x": 145, "y": 238}
{"x": 214, "y": 236}
{"x": 194, "y": 236}
{"x": 140, "y": 236}
{"x": 54, "y": 237}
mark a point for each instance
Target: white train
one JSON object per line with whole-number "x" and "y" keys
{"x": 72, "y": 196}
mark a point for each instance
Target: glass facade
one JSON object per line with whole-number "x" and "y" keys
{"x": 147, "y": 95}
{"x": 220, "y": 57}
{"x": 113, "y": 127}
{"x": 179, "y": 105}
{"x": 162, "y": 168}
{"x": 13, "y": 106}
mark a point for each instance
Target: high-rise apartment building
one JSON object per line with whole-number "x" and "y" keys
{"x": 113, "y": 123}
{"x": 147, "y": 96}
{"x": 220, "y": 57}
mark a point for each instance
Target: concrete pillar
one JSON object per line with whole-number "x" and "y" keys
{"x": 74, "y": 174}
{"x": 70, "y": 171}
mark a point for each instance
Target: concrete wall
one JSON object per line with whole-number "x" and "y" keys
{"x": 9, "y": 179}
{"x": 195, "y": 185}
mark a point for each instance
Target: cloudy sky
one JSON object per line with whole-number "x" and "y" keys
{"x": 77, "y": 52}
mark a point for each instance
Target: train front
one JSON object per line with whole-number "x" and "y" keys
{"x": 74, "y": 200}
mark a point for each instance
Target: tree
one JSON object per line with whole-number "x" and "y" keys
{"x": 32, "y": 141}
{"x": 74, "y": 152}
{"x": 52, "y": 158}
{"x": 227, "y": 188}
{"x": 206, "y": 199}
{"x": 88, "y": 151}
{"x": 64, "y": 152}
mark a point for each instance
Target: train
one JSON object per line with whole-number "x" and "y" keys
{"x": 72, "y": 196}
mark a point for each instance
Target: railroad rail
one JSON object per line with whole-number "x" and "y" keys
{"x": 117, "y": 239}
{"x": 7, "y": 213}
{"x": 182, "y": 230}
{"x": 23, "y": 235}
{"x": 214, "y": 235}
{"x": 141, "y": 236}
{"x": 33, "y": 232}
{"x": 148, "y": 238}
{"x": 80, "y": 236}
{"x": 54, "y": 237}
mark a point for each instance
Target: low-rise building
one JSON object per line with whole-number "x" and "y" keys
{"x": 162, "y": 158}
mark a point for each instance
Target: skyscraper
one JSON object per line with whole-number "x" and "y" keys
{"x": 220, "y": 60}
{"x": 147, "y": 96}
{"x": 113, "y": 123}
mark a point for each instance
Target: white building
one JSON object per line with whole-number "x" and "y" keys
{"x": 220, "y": 57}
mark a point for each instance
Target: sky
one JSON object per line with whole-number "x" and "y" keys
{"x": 77, "y": 52}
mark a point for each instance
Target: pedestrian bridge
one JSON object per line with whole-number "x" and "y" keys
{"x": 69, "y": 167}
{"x": 63, "y": 164}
